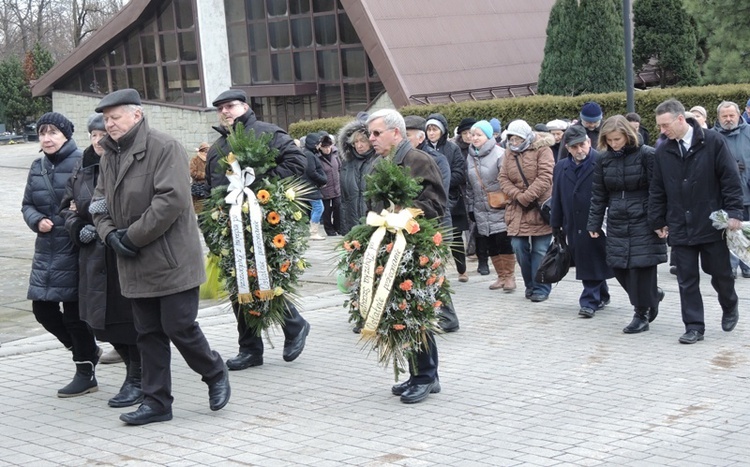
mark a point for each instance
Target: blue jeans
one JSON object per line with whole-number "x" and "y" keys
{"x": 317, "y": 210}
{"x": 529, "y": 253}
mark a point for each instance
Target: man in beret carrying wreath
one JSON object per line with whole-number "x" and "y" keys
{"x": 146, "y": 217}
{"x": 232, "y": 107}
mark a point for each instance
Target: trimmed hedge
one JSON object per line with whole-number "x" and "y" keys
{"x": 536, "y": 109}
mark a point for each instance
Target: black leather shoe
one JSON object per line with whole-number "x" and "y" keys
{"x": 219, "y": 392}
{"x": 244, "y": 360}
{"x": 729, "y": 320}
{"x": 537, "y": 297}
{"x": 419, "y": 392}
{"x": 586, "y": 312}
{"x": 144, "y": 415}
{"x": 673, "y": 270}
{"x": 691, "y": 337}
{"x": 294, "y": 347}
{"x": 398, "y": 389}
{"x": 653, "y": 312}
{"x": 638, "y": 324}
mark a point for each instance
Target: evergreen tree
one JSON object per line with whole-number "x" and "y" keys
{"x": 557, "y": 76}
{"x": 662, "y": 30}
{"x": 37, "y": 62}
{"x": 600, "y": 62}
{"x": 727, "y": 24}
{"x": 15, "y": 94}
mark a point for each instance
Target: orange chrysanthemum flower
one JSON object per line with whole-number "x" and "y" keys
{"x": 389, "y": 247}
{"x": 285, "y": 266}
{"x": 257, "y": 294}
{"x": 356, "y": 245}
{"x": 423, "y": 260}
{"x": 279, "y": 241}
{"x": 273, "y": 218}
{"x": 402, "y": 306}
{"x": 263, "y": 196}
{"x": 399, "y": 327}
{"x": 379, "y": 270}
{"x": 252, "y": 273}
{"x": 436, "y": 264}
{"x": 348, "y": 246}
{"x": 437, "y": 238}
{"x": 254, "y": 313}
{"x": 431, "y": 280}
{"x": 437, "y": 304}
{"x": 406, "y": 285}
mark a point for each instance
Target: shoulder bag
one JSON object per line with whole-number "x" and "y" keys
{"x": 496, "y": 199}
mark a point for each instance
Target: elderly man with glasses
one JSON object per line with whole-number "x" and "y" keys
{"x": 232, "y": 108}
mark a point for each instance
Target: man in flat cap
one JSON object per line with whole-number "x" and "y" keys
{"x": 146, "y": 217}
{"x": 232, "y": 107}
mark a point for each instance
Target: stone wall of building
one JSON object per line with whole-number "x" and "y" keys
{"x": 190, "y": 127}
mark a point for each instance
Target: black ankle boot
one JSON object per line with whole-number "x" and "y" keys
{"x": 483, "y": 268}
{"x": 130, "y": 392}
{"x": 83, "y": 382}
{"x": 639, "y": 323}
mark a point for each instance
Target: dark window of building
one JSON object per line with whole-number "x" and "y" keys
{"x": 159, "y": 59}
{"x": 278, "y": 33}
{"x": 330, "y": 100}
{"x": 353, "y": 63}
{"x": 328, "y": 65}
{"x": 325, "y": 30}
{"x": 355, "y": 97}
{"x": 304, "y": 66}
{"x": 297, "y": 7}
{"x": 261, "y": 68}
{"x": 234, "y": 10}
{"x": 281, "y": 64}
{"x": 302, "y": 32}
{"x": 346, "y": 30}
{"x": 258, "y": 39}
{"x": 240, "y": 69}
{"x": 184, "y": 10}
{"x": 237, "y": 38}
{"x": 275, "y": 8}
{"x": 320, "y": 6}
{"x": 255, "y": 9}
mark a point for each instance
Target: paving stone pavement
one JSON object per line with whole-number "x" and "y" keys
{"x": 522, "y": 384}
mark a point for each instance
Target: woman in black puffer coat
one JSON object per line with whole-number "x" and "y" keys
{"x": 101, "y": 304}
{"x": 357, "y": 161}
{"x": 54, "y": 270}
{"x": 620, "y": 187}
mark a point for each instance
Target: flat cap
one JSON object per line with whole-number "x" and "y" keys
{"x": 230, "y": 95}
{"x": 415, "y": 122}
{"x": 120, "y": 97}
{"x": 575, "y": 134}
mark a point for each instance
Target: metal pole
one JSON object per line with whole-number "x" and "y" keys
{"x": 628, "y": 55}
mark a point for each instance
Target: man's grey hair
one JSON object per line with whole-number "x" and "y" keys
{"x": 670, "y": 106}
{"x": 725, "y": 104}
{"x": 133, "y": 108}
{"x": 391, "y": 118}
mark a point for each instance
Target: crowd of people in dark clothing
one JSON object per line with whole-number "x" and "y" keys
{"x": 118, "y": 246}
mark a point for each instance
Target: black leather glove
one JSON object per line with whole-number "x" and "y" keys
{"x": 471, "y": 217}
{"x": 200, "y": 190}
{"x": 118, "y": 240}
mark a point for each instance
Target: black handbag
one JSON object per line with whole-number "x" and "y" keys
{"x": 556, "y": 262}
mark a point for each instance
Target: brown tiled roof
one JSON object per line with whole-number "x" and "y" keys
{"x": 447, "y": 49}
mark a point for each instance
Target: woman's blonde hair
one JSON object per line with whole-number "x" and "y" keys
{"x": 617, "y": 123}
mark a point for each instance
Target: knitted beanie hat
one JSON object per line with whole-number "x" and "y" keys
{"x": 437, "y": 123}
{"x": 591, "y": 112}
{"x": 466, "y": 124}
{"x": 495, "y": 125}
{"x": 485, "y": 126}
{"x": 59, "y": 121}
{"x": 519, "y": 128}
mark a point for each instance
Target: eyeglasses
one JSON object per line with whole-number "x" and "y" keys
{"x": 220, "y": 108}
{"x": 668, "y": 124}
{"x": 377, "y": 133}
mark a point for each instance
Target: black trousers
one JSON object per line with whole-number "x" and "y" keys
{"x": 458, "y": 252}
{"x": 714, "y": 259}
{"x": 331, "y": 215}
{"x": 251, "y": 343}
{"x": 160, "y": 320}
{"x": 67, "y": 327}
{"x": 427, "y": 363}
{"x": 495, "y": 244}
{"x": 640, "y": 285}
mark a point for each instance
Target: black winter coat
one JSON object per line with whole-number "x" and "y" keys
{"x": 289, "y": 161}
{"x": 314, "y": 175}
{"x": 620, "y": 187}
{"x": 331, "y": 166}
{"x": 571, "y": 201}
{"x": 685, "y": 191}
{"x": 100, "y": 301}
{"x": 457, "y": 162}
{"x": 354, "y": 168}
{"x": 54, "y": 269}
